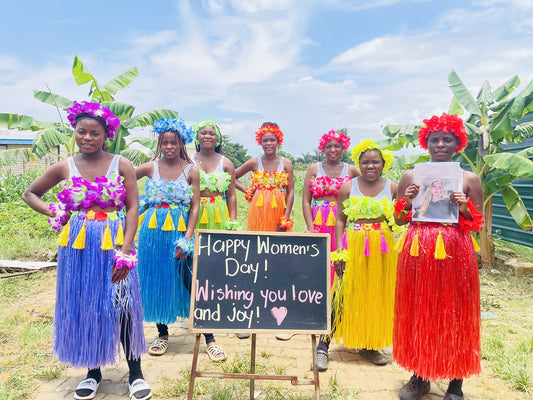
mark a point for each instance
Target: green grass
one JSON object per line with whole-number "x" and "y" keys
{"x": 522, "y": 253}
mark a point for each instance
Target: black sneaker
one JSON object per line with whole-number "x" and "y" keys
{"x": 374, "y": 356}
{"x": 414, "y": 389}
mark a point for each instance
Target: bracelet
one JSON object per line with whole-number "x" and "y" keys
{"x": 400, "y": 212}
{"x": 185, "y": 244}
{"x": 286, "y": 223}
{"x": 60, "y": 216}
{"x": 475, "y": 224}
{"x": 128, "y": 260}
{"x": 232, "y": 225}
{"x": 339, "y": 255}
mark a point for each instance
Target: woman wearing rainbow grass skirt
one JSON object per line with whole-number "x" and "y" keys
{"x": 170, "y": 206}
{"x": 363, "y": 296}
{"x": 321, "y": 187}
{"x": 98, "y": 302}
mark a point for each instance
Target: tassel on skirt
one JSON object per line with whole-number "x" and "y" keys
{"x": 213, "y": 213}
{"x": 90, "y": 310}
{"x": 437, "y": 314}
{"x": 164, "y": 294}
{"x": 324, "y": 214}
{"x": 266, "y": 209}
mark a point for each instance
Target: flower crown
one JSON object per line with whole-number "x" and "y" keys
{"x": 369, "y": 144}
{"x": 332, "y": 135}
{"x": 95, "y": 110}
{"x": 269, "y": 129}
{"x": 445, "y": 123}
{"x": 174, "y": 125}
{"x": 201, "y": 125}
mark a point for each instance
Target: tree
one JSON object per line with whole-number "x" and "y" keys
{"x": 52, "y": 134}
{"x": 234, "y": 151}
{"x": 494, "y": 120}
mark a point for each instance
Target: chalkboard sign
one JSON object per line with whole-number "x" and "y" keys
{"x": 260, "y": 282}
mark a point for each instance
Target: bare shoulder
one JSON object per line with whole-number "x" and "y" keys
{"x": 353, "y": 171}
{"x": 228, "y": 165}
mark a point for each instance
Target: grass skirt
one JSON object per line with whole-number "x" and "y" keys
{"x": 266, "y": 209}
{"x": 324, "y": 222}
{"x": 363, "y": 300}
{"x": 90, "y": 309}
{"x": 213, "y": 213}
{"x": 437, "y": 315}
{"x": 162, "y": 276}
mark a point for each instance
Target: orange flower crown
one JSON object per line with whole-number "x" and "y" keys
{"x": 445, "y": 123}
{"x": 269, "y": 129}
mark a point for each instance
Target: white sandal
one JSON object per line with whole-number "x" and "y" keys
{"x": 87, "y": 384}
{"x": 140, "y": 390}
{"x": 216, "y": 353}
{"x": 158, "y": 347}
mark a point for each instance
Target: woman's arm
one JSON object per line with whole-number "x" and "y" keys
{"x": 408, "y": 189}
{"x": 250, "y": 165}
{"x": 472, "y": 190}
{"x": 231, "y": 195}
{"x": 194, "y": 181}
{"x": 289, "y": 194}
{"x": 126, "y": 170}
{"x": 307, "y": 197}
{"x": 340, "y": 224}
{"x": 51, "y": 177}
{"x": 143, "y": 170}
{"x": 353, "y": 172}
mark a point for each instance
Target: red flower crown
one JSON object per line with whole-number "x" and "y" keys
{"x": 332, "y": 135}
{"x": 445, "y": 123}
{"x": 269, "y": 129}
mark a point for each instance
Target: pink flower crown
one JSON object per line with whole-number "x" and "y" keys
{"x": 95, "y": 110}
{"x": 332, "y": 135}
{"x": 269, "y": 129}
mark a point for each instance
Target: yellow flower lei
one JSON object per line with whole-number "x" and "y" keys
{"x": 369, "y": 144}
{"x": 362, "y": 207}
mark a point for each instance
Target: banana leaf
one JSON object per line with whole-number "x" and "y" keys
{"x": 516, "y": 208}
{"x": 513, "y": 163}
{"x": 148, "y": 118}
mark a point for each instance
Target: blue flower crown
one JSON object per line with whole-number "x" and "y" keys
{"x": 174, "y": 125}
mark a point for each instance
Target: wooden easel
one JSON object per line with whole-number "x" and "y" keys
{"x": 252, "y": 376}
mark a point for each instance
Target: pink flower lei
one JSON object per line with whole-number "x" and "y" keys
{"x": 95, "y": 110}
{"x": 332, "y": 135}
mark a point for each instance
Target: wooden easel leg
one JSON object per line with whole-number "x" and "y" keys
{"x": 193, "y": 367}
{"x": 315, "y": 368}
{"x": 252, "y": 366}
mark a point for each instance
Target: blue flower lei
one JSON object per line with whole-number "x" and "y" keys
{"x": 174, "y": 125}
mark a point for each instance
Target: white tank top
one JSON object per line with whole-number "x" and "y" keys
{"x": 182, "y": 177}
{"x": 113, "y": 167}
{"x": 343, "y": 174}
{"x": 384, "y": 193}
{"x": 260, "y": 164}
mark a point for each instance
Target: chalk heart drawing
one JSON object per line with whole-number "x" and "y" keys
{"x": 279, "y": 313}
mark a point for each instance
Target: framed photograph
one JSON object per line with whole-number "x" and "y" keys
{"x": 437, "y": 181}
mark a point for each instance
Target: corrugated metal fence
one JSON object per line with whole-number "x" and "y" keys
{"x": 503, "y": 224}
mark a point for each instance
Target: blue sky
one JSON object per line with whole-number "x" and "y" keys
{"x": 309, "y": 65}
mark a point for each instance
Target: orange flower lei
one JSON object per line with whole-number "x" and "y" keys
{"x": 267, "y": 181}
{"x": 269, "y": 129}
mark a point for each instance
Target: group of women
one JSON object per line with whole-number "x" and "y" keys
{"x": 429, "y": 308}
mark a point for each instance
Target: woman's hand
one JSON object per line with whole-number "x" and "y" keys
{"x": 410, "y": 193}
{"x": 459, "y": 198}
{"x": 118, "y": 274}
{"x": 180, "y": 253}
{"x": 339, "y": 267}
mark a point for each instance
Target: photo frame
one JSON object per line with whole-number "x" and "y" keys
{"x": 437, "y": 181}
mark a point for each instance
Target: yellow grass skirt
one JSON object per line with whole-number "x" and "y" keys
{"x": 363, "y": 299}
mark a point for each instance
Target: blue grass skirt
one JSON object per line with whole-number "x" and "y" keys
{"x": 164, "y": 278}
{"x": 90, "y": 310}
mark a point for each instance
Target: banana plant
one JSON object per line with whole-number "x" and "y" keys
{"x": 52, "y": 134}
{"x": 493, "y": 120}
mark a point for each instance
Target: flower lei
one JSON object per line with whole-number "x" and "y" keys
{"x": 369, "y": 144}
{"x": 445, "y": 123}
{"x": 286, "y": 223}
{"x": 125, "y": 260}
{"x": 96, "y": 110}
{"x": 60, "y": 216}
{"x": 79, "y": 193}
{"x": 269, "y": 129}
{"x": 201, "y": 125}
{"x": 267, "y": 181}
{"x": 339, "y": 255}
{"x": 174, "y": 125}
{"x": 158, "y": 191}
{"x": 214, "y": 181}
{"x": 185, "y": 244}
{"x": 325, "y": 186}
{"x": 363, "y": 207}
{"x": 332, "y": 135}
{"x": 232, "y": 225}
